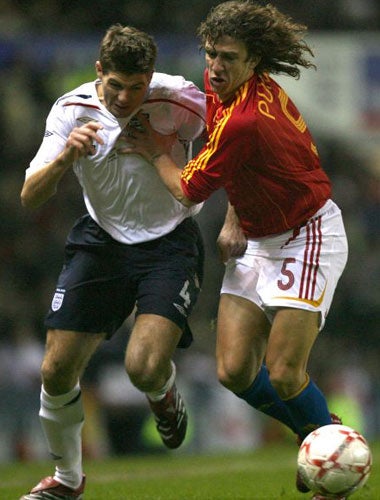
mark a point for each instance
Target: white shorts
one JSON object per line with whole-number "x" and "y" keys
{"x": 298, "y": 269}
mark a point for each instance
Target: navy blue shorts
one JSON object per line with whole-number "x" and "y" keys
{"x": 103, "y": 280}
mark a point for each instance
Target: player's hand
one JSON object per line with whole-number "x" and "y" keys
{"x": 231, "y": 244}
{"x": 231, "y": 241}
{"x": 82, "y": 141}
{"x": 141, "y": 138}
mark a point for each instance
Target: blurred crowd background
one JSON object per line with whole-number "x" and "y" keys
{"x": 49, "y": 46}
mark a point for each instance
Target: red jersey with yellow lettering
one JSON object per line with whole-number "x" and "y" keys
{"x": 261, "y": 151}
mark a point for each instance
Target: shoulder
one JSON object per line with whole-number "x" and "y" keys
{"x": 74, "y": 108}
{"x": 166, "y": 81}
{"x": 84, "y": 95}
{"x": 172, "y": 86}
{"x": 81, "y": 104}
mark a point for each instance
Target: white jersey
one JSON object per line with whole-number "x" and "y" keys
{"x": 123, "y": 192}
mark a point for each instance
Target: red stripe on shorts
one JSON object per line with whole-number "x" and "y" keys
{"x": 311, "y": 259}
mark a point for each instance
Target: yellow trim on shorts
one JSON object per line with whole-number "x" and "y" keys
{"x": 314, "y": 303}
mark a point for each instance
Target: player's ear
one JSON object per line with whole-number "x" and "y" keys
{"x": 98, "y": 68}
{"x": 150, "y": 75}
{"x": 254, "y": 61}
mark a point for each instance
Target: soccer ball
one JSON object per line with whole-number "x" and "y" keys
{"x": 334, "y": 460}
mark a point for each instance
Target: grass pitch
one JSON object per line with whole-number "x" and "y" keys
{"x": 267, "y": 473}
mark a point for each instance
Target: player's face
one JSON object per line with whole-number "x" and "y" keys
{"x": 228, "y": 65}
{"x": 122, "y": 94}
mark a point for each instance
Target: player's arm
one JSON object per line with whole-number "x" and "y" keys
{"x": 155, "y": 148}
{"x": 171, "y": 177}
{"x": 42, "y": 184}
{"x": 231, "y": 241}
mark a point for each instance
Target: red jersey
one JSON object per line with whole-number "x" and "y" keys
{"x": 261, "y": 151}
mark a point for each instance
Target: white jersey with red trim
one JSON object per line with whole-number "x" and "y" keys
{"x": 122, "y": 192}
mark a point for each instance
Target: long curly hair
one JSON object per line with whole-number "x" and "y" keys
{"x": 265, "y": 32}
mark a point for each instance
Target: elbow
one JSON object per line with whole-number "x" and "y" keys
{"x": 186, "y": 202}
{"x": 25, "y": 201}
{"x": 28, "y": 201}
{"x": 182, "y": 198}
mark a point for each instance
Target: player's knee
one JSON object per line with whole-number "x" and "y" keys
{"x": 232, "y": 375}
{"x": 142, "y": 380}
{"x": 143, "y": 374}
{"x": 57, "y": 378}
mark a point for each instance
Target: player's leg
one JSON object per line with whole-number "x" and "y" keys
{"x": 168, "y": 281}
{"x": 311, "y": 261}
{"x": 150, "y": 367}
{"x": 67, "y": 354}
{"x": 241, "y": 341}
{"x": 299, "y": 283}
{"x": 241, "y": 344}
{"x": 291, "y": 339}
{"x": 165, "y": 299}
{"x": 61, "y": 413}
{"x": 88, "y": 298}
{"x": 292, "y": 336}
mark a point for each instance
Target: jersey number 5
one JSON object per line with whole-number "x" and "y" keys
{"x": 289, "y": 276}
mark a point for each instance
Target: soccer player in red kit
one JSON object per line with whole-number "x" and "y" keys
{"x": 283, "y": 241}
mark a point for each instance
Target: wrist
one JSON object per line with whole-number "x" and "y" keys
{"x": 155, "y": 157}
{"x": 61, "y": 162}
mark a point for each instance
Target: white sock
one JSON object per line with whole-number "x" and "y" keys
{"x": 62, "y": 420}
{"x": 160, "y": 394}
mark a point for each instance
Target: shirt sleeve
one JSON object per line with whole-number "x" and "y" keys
{"x": 189, "y": 115}
{"x": 57, "y": 129}
{"x": 216, "y": 163}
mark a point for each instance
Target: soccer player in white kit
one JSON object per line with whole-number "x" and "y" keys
{"x": 138, "y": 248}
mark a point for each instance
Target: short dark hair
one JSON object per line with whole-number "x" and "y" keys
{"x": 125, "y": 49}
{"x": 265, "y": 32}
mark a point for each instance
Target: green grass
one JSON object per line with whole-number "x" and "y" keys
{"x": 267, "y": 473}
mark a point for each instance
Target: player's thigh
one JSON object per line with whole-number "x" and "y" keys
{"x": 242, "y": 334}
{"x": 67, "y": 354}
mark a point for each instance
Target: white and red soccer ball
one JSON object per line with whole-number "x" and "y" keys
{"x": 334, "y": 460}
